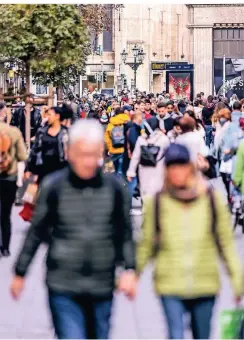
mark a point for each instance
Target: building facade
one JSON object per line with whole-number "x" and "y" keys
{"x": 216, "y": 47}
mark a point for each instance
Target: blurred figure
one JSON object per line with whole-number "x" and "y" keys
{"x": 175, "y": 132}
{"x": 81, "y": 260}
{"x": 12, "y": 151}
{"x": 207, "y": 113}
{"x": 165, "y": 120}
{"x": 182, "y": 280}
{"x": 147, "y": 158}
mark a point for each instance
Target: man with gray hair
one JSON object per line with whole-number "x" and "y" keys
{"x": 85, "y": 214}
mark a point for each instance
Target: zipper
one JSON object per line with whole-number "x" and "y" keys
{"x": 188, "y": 250}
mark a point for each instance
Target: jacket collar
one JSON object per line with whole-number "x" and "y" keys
{"x": 78, "y": 182}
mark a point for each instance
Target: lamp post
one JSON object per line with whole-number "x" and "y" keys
{"x": 138, "y": 55}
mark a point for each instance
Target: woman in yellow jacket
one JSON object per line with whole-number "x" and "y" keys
{"x": 192, "y": 227}
{"x": 115, "y": 139}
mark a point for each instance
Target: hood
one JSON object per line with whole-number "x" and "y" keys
{"x": 167, "y": 116}
{"x": 155, "y": 137}
{"x": 120, "y": 119}
{"x": 235, "y": 116}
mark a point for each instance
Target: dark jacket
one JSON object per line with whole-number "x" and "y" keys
{"x": 35, "y": 160}
{"x": 207, "y": 113}
{"x": 90, "y": 230}
{"x": 18, "y": 120}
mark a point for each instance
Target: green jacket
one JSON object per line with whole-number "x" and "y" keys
{"x": 239, "y": 168}
{"x": 187, "y": 262}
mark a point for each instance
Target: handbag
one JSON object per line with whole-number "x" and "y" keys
{"x": 231, "y": 324}
{"x": 31, "y": 193}
{"x": 149, "y": 153}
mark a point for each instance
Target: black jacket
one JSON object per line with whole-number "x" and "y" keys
{"x": 35, "y": 161}
{"x": 90, "y": 230}
{"x": 207, "y": 113}
{"x": 18, "y": 120}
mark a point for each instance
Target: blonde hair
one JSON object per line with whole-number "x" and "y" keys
{"x": 225, "y": 113}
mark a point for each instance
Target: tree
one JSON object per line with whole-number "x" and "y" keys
{"x": 45, "y": 38}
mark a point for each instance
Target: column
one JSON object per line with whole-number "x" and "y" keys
{"x": 203, "y": 60}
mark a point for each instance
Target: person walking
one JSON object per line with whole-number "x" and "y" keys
{"x": 115, "y": 139}
{"x": 147, "y": 158}
{"x": 48, "y": 153}
{"x": 12, "y": 151}
{"x": 166, "y": 122}
{"x": 182, "y": 280}
{"x": 81, "y": 260}
{"x": 207, "y": 113}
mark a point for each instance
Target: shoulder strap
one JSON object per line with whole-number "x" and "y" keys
{"x": 213, "y": 210}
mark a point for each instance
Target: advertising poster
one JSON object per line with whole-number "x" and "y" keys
{"x": 179, "y": 85}
{"x": 234, "y": 71}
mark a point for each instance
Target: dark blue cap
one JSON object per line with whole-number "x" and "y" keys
{"x": 176, "y": 154}
{"x": 127, "y": 108}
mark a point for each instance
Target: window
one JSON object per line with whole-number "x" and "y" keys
{"x": 108, "y": 35}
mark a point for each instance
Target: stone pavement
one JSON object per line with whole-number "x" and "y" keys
{"x": 29, "y": 318}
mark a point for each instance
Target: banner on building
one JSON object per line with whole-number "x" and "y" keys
{"x": 234, "y": 79}
{"x": 179, "y": 84}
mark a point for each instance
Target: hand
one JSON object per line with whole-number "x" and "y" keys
{"x": 128, "y": 284}
{"x": 27, "y": 175}
{"x": 17, "y": 287}
{"x": 129, "y": 179}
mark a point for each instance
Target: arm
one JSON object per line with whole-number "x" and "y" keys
{"x": 107, "y": 138}
{"x": 239, "y": 168}
{"x": 145, "y": 248}
{"x": 135, "y": 160}
{"x": 132, "y": 138}
{"x": 21, "y": 152}
{"x": 227, "y": 246}
{"x": 37, "y": 232}
{"x": 123, "y": 238}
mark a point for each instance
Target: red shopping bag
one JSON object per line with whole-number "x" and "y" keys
{"x": 27, "y": 212}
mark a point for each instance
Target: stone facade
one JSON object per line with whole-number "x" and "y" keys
{"x": 202, "y": 19}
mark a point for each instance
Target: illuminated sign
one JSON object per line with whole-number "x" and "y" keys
{"x": 159, "y": 66}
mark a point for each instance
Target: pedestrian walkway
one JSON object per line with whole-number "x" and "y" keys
{"x": 29, "y": 318}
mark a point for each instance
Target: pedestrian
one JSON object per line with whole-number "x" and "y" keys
{"x": 12, "y": 151}
{"x": 147, "y": 158}
{"x": 207, "y": 113}
{"x": 198, "y": 123}
{"x": 18, "y": 118}
{"x": 166, "y": 122}
{"x": 192, "y": 139}
{"x": 198, "y": 108}
{"x": 175, "y": 132}
{"x": 149, "y": 113}
{"x": 178, "y": 240}
{"x": 115, "y": 139}
{"x": 48, "y": 153}
{"x": 81, "y": 260}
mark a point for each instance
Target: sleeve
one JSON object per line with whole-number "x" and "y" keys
{"x": 13, "y": 121}
{"x": 31, "y": 163}
{"x": 135, "y": 159}
{"x": 21, "y": 152}
{"x": 107, "y": 138}
{"x": 145, "y": 247}
{"x": 124, "y": 241}
{"x": 37, "y": 232}
{"x": 239, "y": 168}
{"x": 227, "y": 247}
{"x": 132, "y": 138}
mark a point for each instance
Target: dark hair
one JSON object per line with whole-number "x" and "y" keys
{"x": 176, "y": 121}
{"x": 197, "y": 102}
{"x": 210, "y": 99}
{"x": 2, "y": 106}
{"x": 201, "y": 93}
{"x": 187, "y": 124}
{"x": 170, "y": 103}
{"x": 147, "y": 101}
{"x": 71, "y": 97}
{"x": 118, "y": 111}
{"x": 161, "y": 104}
{"x": 181, "y": 103}
{"x": 153, "y": 123}
{"x": 237, "y": 105}
{"x": 67, "y": 112}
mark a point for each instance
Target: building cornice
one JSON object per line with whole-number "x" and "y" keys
{"x": 199, "y": 26}
{"x": 214, "y": 5}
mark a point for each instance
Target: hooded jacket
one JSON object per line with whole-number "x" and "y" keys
{"x": 118, "y": 120}
{"x": 166, "y": 123}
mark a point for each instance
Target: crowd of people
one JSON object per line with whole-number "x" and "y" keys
{"x": 184, "y": 160}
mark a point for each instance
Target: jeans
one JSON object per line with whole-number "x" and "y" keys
{"x": 80, "y": 317}
{"x": 118, "y": 163}
{"x": 132, "y": 186}
{"x": 209, "y": 134}
{"x": 8, "y": 190}
{"x": 200, "y": 310}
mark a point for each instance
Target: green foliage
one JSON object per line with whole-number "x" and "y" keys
{"x": 51, "y": 39}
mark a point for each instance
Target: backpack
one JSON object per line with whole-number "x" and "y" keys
{"x": 118, "y": 136}
{"x": 5, "y": 147}
{"x": 158, "y": 225}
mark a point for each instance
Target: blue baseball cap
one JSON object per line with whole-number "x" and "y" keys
{"x": 176, "y": 154}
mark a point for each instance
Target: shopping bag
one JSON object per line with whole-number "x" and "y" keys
{"x": 27, "y": 212}
{"x": 30, "y": 194}
{"x": 231, "y": 323}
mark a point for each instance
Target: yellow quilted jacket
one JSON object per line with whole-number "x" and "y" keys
{"x": 120, "y": 119}
{"x": 187, "y": 260}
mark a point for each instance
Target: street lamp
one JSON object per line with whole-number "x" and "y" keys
{"x": 138, "y": 55}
